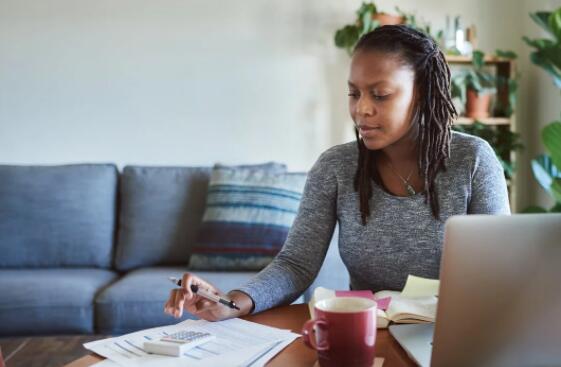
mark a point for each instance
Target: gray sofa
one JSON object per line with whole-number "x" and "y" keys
{"x": 86, "y": 249}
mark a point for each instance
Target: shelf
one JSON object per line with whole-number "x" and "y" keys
{"x": 487, "y": 121}
{"x": 453, "y": 59}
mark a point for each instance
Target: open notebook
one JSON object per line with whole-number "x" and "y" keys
{"x": 416, "y": 303}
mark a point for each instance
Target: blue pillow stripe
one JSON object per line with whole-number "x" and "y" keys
{"x": 214, "y": 234}
{"x": 234, "y": 255}
{"x": 230, "y": 262}
{"x": 248, "y": 215}
{"x": 241, "y": 185}
{"x": 237, "y": 250}
{"x": 257, "y": 190}
{"x": 221, "y": 225}
{"x": 253, "y": 199}
{"x": 246, "y": 205}
{"x": 255, "y": 193}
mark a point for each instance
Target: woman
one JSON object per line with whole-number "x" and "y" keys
{"x": 390, "y": 192}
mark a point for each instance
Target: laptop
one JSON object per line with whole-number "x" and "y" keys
{"x": 500, "y": 295}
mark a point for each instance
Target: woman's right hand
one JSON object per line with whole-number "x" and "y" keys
{"x": 184, "y": 299}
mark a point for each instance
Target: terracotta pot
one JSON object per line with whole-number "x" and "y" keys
{"x": 477, "y": 106}
{"x": 388, "y": 19}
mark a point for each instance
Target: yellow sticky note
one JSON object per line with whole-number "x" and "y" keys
{"x": 416, "y": 287}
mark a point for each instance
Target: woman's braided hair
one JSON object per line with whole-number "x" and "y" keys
{"x": 433, "y": 111}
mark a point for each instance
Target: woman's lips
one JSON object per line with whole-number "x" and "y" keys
{"x": 368, "y": 130}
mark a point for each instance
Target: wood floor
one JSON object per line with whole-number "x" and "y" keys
{"x": 41, "y": 351}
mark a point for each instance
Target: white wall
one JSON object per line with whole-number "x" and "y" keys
{"x": 188, "y": 82}
{"x": 152, "y": 82}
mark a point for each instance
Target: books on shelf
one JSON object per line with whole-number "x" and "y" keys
{"x": 416, "y": 303}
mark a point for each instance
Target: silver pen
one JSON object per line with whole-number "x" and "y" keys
{"x": 203, "y": 293}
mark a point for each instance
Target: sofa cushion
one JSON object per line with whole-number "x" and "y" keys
{"x": 247, "y": 218}
{"x": 137, "y": 300}
{"x": 54, "y": 216}
{"x": 49, "y": 301}
{"x": 161, "y": 210}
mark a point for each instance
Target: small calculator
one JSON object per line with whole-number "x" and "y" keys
{"x": 177, "y": 343}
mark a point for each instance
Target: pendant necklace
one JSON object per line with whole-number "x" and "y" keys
{"x": 406, "y": 184}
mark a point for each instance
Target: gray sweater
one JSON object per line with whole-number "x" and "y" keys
{"x": 401, "y": 236}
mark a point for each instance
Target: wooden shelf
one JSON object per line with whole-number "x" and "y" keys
{"x": 507, "y": 69}
{"x": 487, "y": 121}
{"x": 491, "y": 60}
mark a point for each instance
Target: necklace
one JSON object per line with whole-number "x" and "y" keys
{"x": 406, "y": 184}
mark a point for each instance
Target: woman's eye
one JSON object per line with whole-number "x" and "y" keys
{"x": 380, "y": 97}
{"x": 376, "y": 97}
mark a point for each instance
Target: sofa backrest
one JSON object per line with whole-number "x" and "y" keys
{"x": 53, "y": 216}
{"x": 160, "y": 214}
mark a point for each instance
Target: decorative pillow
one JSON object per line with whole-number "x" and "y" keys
{"x": 247, "y": 218}
{"x": 267, "y": 166}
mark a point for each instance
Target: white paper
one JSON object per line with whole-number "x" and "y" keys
{"x": 106, "y": 363}
{"x": 236, "y": 339}
{"x": 260, "y": 359}
{"x": 417, "y": 287}
{"x": 264, "y": 356}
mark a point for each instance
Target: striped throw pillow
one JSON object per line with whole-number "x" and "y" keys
{"x": 247, "y": 218}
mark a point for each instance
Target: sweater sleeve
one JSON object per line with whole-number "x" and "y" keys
{"x": 297, "y": 264}
{"x": 489, "y": 194}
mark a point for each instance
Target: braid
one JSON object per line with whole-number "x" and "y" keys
{"x": 433, "y": 112}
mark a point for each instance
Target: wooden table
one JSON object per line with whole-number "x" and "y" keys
{"x": 297, "y": 354}
{"x": 44, "y": 351}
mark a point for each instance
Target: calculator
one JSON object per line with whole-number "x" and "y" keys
{"x": 177, "y": 343}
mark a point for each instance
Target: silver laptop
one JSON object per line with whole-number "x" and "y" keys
{"x": 500, "y": 295}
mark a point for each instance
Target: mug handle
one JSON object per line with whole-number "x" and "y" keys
{"x": 309, "y": 336}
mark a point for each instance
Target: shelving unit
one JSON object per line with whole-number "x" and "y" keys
{"x": 507, "y": 69}
{"x": 492, "y": 121}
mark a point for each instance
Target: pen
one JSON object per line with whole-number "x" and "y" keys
{"x": 201, "y": 292}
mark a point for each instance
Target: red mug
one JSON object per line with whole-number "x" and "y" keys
{"x": 345, "y": 332}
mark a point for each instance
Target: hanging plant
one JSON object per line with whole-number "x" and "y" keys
{"x": 368, "y": 18}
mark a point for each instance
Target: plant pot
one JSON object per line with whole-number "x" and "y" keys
{"x": 388, "y": 19}
{"x": 477, "y": 106}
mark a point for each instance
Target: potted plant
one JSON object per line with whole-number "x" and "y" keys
{"x": 368, "y": 18}
{"x": 474, "y": 87}
{"x": 547, "y": 55}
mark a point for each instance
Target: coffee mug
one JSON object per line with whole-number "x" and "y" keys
{"x": 345, "y": 332}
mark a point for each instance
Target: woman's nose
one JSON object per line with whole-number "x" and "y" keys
{"x": 365, "y": 107}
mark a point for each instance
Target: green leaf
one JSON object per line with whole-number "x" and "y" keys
{"x": 541, "y": 18}
{"x": 551, "y": 136}
{"x": 506, "y": 54}
{"x": 366, "y": 7}
{"x": 556, "y": 189}
{"x": 346, "y": 37}
{"x": 556, "y": 208}
{"x": 478, "y": 59}
{"x": 366, "y": 22}
{"x": 554, "y": 22}
{"x": 544, "y": 171}
{"x": 508, "y": 167}
{"x": 539, "y": 59}
{"x": 553, "y": 54}
{"x": 539, "y": 43}
{"x": 534, "y": 210}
